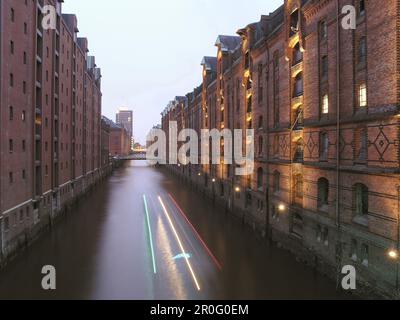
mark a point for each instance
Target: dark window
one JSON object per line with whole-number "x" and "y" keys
{"x": 298, "y": 85}
{"x": 298, "y": 186}
{"x": 361, "y": 7}
{"x": 323, "y": 192}
{"x": 297, "y": 54}
{"x": 260, "y": 122}
{"x": 11, "y": 145}
{"x": 12, "y": 15}
{"x": 324, "y": 66}
{"x": 23, "y": 145}
{"x": 260, "y": 174}
{"x": 11, "y": 113}
{"x": 23, "y": 87}
{"x": 277, "y": 181}
{"x": 324, "y": 146}
{"x": 360, "y": 199}
{"x": 12, "y": 47}
{"x": 11, "y": 80}
{"x": 10, "y": 177}
{"x": 260, "y": 145}
{"x": 24, "y": 58}
{"x": 294, "y": 23}
{"x": 23, "y": 174}
{"x": 362, "y": 50}
{"x": 25, "y": 28}
{"x": 323, "y": 30}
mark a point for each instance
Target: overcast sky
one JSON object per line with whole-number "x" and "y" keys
{"x": 150, "y": 51}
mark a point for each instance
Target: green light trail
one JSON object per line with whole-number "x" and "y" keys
{"x": 150, "y": 235}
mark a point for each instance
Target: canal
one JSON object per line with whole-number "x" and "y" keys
{"x": 142, "y": 234}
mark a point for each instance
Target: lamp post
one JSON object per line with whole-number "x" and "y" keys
{"x": 393, "y": 254}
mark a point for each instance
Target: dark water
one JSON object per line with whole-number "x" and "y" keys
{"x": 102, "y": 250}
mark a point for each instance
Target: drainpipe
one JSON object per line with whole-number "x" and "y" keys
{"x": 339, "y": 241}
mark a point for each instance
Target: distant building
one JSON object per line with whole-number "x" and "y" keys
{"x": 119, "y": 139}
{"x": 124, "y": 118}
{"x": 105, "y": 141}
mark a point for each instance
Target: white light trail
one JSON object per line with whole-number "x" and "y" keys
{"x": 180, "y": 243}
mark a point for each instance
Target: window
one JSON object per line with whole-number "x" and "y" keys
{"x": 6, "y": 224}
{"x": 362, "y": 50}
{"x": 276, "y": 145}
{"x": 324, "y": 67}
{"x": 23, "y": 115}
{"x": 318, "y": 233}
{"x": 361, "y": 7}
{"x": 24, "y": 58}
{"x": 360, "y": 199}
{"x": 23, "y": 145}
{"x": 365, "y": 255}
{"x": 294, "y": 23}
{"x": 260, "y": 83}
{"x": 362, "y": 139}
{"x": 297, "y": 54}
{"x": 11, "y": 145}
{"x": 10, "y": 177}
{"x": 325, "y": 236}
{"x": 298, "y": 85}
{"x": 362, "y": 96}
{"x": 323, "y": 192}
{"x": 12, "y": 47}
{"x": 23, "y": 174}
{"x": 260, "y": 174}
{"x": 298, "y": 186}
{"x": 353, "y": 250}
{"x": 260, "y": 122}
{"x": 323, "y": 146}
{"x": 23, "y": 87}
{"x": 11, "y": 80}
{"x": 325, "y": 104}
{"x": 260, "y": 145}
{"x": 12, "y": 15}
{"x": 277, "y": 182}
{"x": 323, "y": 30}
{"x": 247, "y": 60}
{"x": 11, "y": 113}
{"x": 25, "y": 28}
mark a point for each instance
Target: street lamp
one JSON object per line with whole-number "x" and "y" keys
{"x": 281, "y": 207}
{"x": 237, "y": 189}
{"x": 213, "y": 180}
{"x": 393, "y": 254}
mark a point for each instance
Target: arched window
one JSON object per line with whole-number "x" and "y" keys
{"x": 360, "y": 199}
{"x": 260, "y": 174}
{"x": 323, "y": 192}
{"x": 298, "y": 85}
{"x": 277, "y": 181}
{"x": 260, "y": 145}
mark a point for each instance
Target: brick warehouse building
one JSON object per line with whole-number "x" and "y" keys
{"x": 50, "y": 120}
{"x": 324, "y": 104}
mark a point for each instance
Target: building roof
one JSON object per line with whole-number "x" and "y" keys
{"x": 228, "y": 43}
{"x": 210, "y": 63}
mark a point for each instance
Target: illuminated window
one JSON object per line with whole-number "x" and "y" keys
{"x": 325, "y": 104}
{"x": 362, "y": 95}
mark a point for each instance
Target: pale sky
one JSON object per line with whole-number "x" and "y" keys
{"x": 150, "y": 51}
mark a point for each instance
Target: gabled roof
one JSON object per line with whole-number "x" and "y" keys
{"x": 228, "y": 43}
{"x": 210, "y": 63}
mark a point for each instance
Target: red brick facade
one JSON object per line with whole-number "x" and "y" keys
{"x": 50, "y": 119}
{"x": 324, "y": 104}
